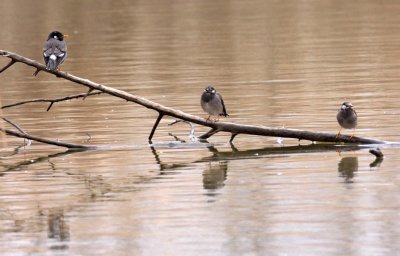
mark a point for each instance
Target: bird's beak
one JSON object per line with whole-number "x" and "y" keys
{"x": 65, "y": 36}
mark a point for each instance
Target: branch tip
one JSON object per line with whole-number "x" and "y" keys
{"x": 36, "y": 72}
{"x": 376, "y": 152}
{"x": 12, "y": 62}
{"x": 208, "y": 134}
{"x": 51, "y": 104}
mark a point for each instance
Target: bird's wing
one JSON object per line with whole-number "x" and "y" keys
{"x": 223, "y": 106}
{"x": 53, "y": 46}
{"x": 47, "y": 48}
{"x": 60, "y": 48}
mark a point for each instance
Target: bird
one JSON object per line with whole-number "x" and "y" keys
{"x": 55, "y": 50}
{"x": 347, "y": 118}
{"x": 212, "y": 103}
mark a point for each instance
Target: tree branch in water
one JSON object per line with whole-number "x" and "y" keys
{"x": 215, "y": 127}
{"x": 23, "y": 134}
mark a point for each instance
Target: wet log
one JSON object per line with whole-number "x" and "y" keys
{"x": 215, "y": 127}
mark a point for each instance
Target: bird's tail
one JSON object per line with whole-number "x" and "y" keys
{"x": 52, "y": 63}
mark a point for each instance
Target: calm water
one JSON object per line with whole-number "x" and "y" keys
{"x": 277, "y": 63}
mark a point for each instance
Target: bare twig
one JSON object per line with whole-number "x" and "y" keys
{"x": 88, "y": 93}
{"x": 13, "y": 124}
{"x": 81, "y": 95}
{"x": 29, "y": 142}
{"x": 36, "y": 72}
{"x": 215, "y": 126}
{"x": 12, "y": 62}
{"x": 209, "y": 134}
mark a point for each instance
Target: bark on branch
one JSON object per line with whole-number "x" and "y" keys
{"x": 215, "y": 127}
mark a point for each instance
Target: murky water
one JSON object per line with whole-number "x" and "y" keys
{"x": 277, "y": 63}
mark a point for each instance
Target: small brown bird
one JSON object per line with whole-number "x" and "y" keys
{"x": 347, "y": 118}
{"x": 212, "y": 103}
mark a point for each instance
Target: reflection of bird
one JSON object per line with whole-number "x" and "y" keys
{"x": 212, "y": 103}
{"x": 347, "y": 167}
{"x": 54, "y": 50}
{"x": 347, "y": 117}
{"x": 215, "y": 175}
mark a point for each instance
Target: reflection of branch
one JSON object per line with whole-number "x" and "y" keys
{"x": 377, "y": 162}
{"x": 15, "y": 151}
{"x": 267, "y": 151}
{"x": 52, "y": 101}
{"x": 162, "y": 165}
{"x": 236, "y": 154}
{"x": 37, "y": 160}
{"x": 214, "y": 126}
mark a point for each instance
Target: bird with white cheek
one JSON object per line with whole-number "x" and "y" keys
{"x": 212, "y": 103}
{"x": 347, "y": 118}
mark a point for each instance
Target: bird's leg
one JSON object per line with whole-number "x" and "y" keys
{"x": 58, "y": 69}
{"x": 338, "y": 134}
{"x": 208, "y": 118}
{"x": 354, "y": 132}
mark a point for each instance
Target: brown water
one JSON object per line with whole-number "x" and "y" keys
{"x": 277, "y": 63}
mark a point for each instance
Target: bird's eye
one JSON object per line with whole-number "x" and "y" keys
{"x": 55, "y": 37}
{"x": 213, "y": 91}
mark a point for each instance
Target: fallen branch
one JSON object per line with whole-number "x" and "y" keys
{"x": 215, "y": 127}
{"x": 22, "y": 134}
{"x": 18, "y": 128}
